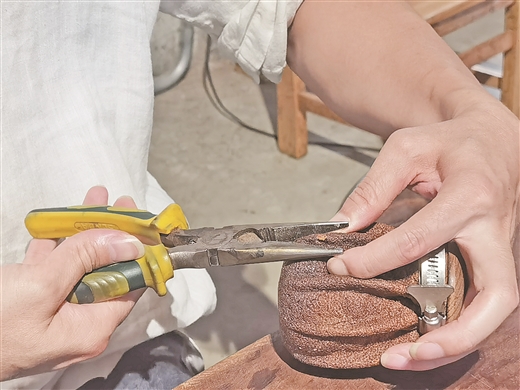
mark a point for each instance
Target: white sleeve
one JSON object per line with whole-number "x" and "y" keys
{"x": 252, "y": 32}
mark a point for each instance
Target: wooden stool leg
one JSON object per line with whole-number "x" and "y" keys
{"x": 292, "y": 122}
{"x": 511, "y": 80}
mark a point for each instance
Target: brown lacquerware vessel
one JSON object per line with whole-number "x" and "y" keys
{"x": 342, "y": 322}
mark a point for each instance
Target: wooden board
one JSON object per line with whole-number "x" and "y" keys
{"x": 292, "y": 122}
{"x": 266, "y": 364}
{"x": 449, "y": 16}
{"x": 511, "y": 81}
{"x": 436, "y": 11}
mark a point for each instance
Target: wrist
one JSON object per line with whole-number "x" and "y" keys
{"x": 453, "y": 93}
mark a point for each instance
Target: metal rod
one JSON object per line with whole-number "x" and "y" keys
{"x": 165, "y": 82}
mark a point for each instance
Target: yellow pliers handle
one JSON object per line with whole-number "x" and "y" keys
{"x": 115, "y": 280}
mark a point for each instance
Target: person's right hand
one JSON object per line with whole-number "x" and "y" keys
{"x": 41, "y": 331}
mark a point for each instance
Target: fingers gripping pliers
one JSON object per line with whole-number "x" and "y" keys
{"x": 170, "y": 245}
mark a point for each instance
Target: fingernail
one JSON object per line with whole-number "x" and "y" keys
{"x": 426, "y": 351}
{"x": 336, "y": 266}
{"x": 394, "y": 361}
{"x": 126, "y": 248}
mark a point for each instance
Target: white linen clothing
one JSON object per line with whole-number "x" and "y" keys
{"x": 77, "y": 101}
{"x": 253, "y": 33}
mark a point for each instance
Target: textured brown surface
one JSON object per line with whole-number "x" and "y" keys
{"x": 342, "y": 322}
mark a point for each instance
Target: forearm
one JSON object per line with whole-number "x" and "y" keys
{"x": 378, "y": 64}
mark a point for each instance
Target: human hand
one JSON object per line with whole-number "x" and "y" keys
{"x": 41, "y": 331}
{"x": 469, "y": 167}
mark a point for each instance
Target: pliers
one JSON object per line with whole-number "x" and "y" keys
{"x": 170, "y": 244}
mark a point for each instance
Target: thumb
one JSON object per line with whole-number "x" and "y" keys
{"x": 86, "y": 251}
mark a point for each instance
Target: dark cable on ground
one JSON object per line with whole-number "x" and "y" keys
{"x": 211, "y": 92}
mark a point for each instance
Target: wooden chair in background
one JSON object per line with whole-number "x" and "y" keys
{"x": 294, "y": 101}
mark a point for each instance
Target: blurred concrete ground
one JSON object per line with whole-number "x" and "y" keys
{"x": 222, "y": 173}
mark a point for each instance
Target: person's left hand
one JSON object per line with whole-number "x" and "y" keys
{"x": 469, "y": 167}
